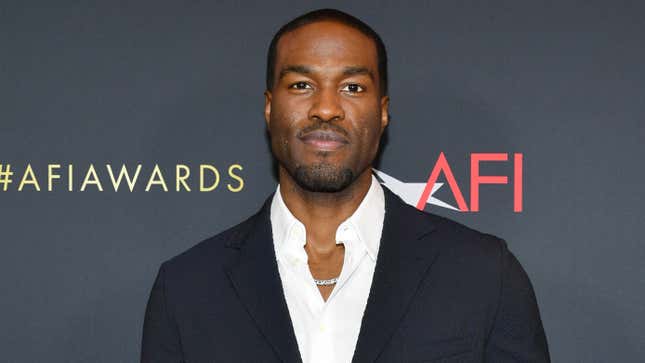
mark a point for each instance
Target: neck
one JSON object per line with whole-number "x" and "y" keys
{"x": 322, "y": 213}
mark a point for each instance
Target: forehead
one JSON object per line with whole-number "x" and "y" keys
{"x": 327, "y": 44}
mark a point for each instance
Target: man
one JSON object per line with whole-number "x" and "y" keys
{"x": 335, "y": 268}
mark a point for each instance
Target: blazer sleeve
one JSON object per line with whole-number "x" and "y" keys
{"x": 517, "y": 334}
{"x": 160, "y": 342}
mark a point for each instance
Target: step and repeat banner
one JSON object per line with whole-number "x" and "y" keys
{"x": 131, "y": 131}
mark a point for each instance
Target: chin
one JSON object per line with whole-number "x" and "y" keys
{"x": 323, "y": 178}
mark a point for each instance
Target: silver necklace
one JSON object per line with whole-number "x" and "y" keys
{"x": 326, "y": 282}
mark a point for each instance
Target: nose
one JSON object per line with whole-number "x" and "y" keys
{"x": 327, "y": 106}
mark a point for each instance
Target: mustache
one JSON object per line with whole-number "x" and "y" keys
{"x": 322, "y": 126}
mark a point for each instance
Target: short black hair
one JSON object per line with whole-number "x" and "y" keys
{"x": 329, "y": 15}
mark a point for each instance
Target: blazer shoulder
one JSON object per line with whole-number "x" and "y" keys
{"x": 460, "y": 230}
{"x": 463, "y": 239}
{"x": 467, "y": 252}
{"x": 452, "y": 235}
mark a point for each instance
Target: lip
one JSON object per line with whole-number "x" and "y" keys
{"x": 324, "y": 140}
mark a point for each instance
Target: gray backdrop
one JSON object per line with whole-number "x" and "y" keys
{"x": 167, "y": 83}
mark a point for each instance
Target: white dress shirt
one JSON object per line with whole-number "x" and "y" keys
{"x": 327, "y": 331}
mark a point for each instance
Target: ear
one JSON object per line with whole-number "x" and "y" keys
{"x": 385, "y": 113}
{"x": 267, "y": 107}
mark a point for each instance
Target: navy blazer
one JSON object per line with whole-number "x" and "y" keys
{"x": 441, "y": 292}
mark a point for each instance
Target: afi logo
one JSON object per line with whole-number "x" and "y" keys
{"x": 420, "y": 194}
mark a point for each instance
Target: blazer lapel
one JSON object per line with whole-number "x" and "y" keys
{"x": 403, "y": 261}
{"x": 256, "y": 279}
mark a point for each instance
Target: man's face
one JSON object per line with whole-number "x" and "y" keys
{"x": 325, "y": 113}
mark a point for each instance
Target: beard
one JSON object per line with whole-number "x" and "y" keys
{"x": 320, "y": 176}
{"x": 323, "y": 177}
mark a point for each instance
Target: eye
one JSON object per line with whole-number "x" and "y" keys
{"x": 353, "y": 88}
{"x": 300, "y": 85}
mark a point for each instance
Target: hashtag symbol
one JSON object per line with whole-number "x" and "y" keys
{"x": 5, "y": 176}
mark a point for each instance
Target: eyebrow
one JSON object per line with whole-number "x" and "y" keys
{"x": 294, "y": 69}
{"x": 353, "y": 70}
{"x": 302, "y": 69}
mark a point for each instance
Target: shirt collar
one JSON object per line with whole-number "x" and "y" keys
{"x": 364, "y": 225}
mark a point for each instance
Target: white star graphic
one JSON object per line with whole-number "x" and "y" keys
{"x": 411, "y": 192}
